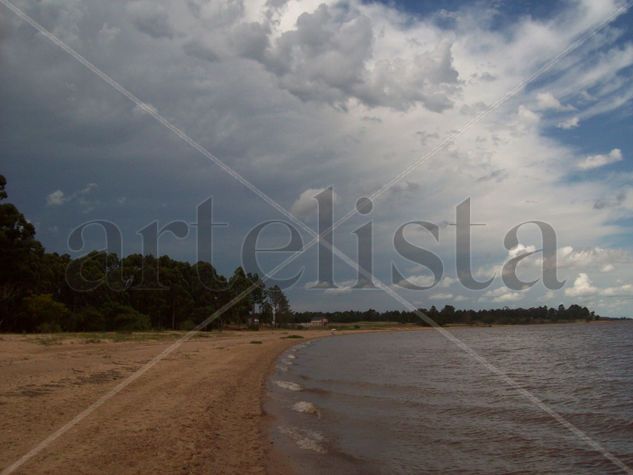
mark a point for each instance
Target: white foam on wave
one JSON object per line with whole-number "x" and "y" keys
{"x": 289, "y": 385}
{"x": 305, "y": 407}
{"x": 291, "y": 356}
{"x": 304, "y": 438}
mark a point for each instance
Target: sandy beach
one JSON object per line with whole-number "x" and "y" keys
{"x": 198, "y": 411}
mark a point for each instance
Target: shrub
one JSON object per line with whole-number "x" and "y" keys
{"x": 90, "y": 319}
{"x": 131, "y": 320}
{"x": 124, "y": 318}
{"x": 187, "y": 325}
{"x": 49, "y": 328}
{"x": 45, "y": 314}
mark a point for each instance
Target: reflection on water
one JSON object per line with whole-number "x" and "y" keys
{"x": 411, "y": 402}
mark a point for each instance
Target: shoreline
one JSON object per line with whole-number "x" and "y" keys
{"x": 199, "y": 410}
{"x": 280, "y": 464}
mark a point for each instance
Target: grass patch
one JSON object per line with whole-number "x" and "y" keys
{"x": 291, "y": 337}
{"x": 256, "y": 342}
{"x": 108, "y": 337}
{"x": 49, "y": 340}
{"x": 93, "y": 340}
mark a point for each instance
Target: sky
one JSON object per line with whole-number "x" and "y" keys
{"x": 297, "y": 97}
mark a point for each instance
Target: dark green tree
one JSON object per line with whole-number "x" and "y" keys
{"x": 19, "y": 258}
{"x": 3, "y": 184}
{"x": 44, "y": 314}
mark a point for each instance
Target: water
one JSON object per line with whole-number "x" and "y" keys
{"x": 412, "y": 402}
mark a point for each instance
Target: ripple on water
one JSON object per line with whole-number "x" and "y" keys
{"x": 304, "y": 438}
{"x": 305, "y": 407}
{"x": 289, "y": 385}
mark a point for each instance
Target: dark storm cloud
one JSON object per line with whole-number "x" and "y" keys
{"x": 295, "y": 97}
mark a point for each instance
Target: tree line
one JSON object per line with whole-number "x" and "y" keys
{"x": 47, "y": 292}
{"x": 451, "y": 315}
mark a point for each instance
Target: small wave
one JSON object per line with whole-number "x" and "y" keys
{"x": 305, "y": 439}
{"x": 305, "y": 407}
{"x": 289, "y": 385}
{"x": 292, "y": 357}
{"x": 318, "y": 391}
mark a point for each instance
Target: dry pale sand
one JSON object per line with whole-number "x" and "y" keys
{"x": 198, "y": 411}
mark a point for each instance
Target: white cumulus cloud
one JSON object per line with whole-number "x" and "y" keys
{"x": 570, "y": 123}
{"x": 502, "y": 295}
{"x": 305, "y": 206}
{"x": 56, "y": 198}
{"x": 600, "y": 160}
{"x": 547, "y": 101}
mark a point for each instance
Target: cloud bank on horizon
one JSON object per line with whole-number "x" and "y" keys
{"x": 301, "y": 95}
